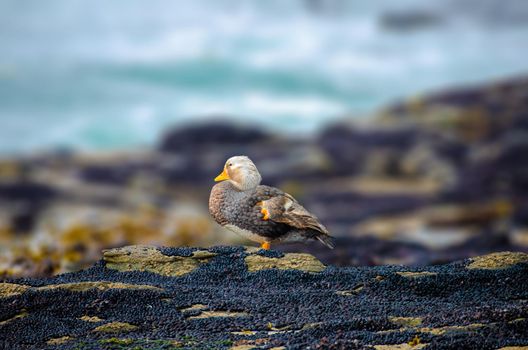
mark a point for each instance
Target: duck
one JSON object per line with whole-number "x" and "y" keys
{"x": 260, "y": 213}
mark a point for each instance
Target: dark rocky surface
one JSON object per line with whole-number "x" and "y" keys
{"x": 232, "y": 298}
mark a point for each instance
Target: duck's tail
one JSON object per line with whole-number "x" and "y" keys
{"x": 327, "y": 240}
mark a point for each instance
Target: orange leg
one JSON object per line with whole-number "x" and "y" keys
{"x": 265, "y": 212}
{"x": 265, "y": 245}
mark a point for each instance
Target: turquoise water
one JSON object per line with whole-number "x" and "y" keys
{"x": 114, "y": 74}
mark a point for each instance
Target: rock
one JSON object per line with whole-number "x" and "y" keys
{"x": 93, "y": 319}
{"x": 209, "y": 314}
{"x": 486, "y": 242}
{"x": 426, "y": 169}
{"x": 500, "y": 260}
{"x": 105, "y": 174}
{"x": 404, "y": 346}
{"x": 195, "y": 307}
{"x": 362, "y": 145}
{"x": 351, "y": 292}
{"x": 290, "y": 261}
{"x": 11, "y": 289}
{"x": 20, "y": 314}
{"x": 117, "y": 169}
{"x": 213, "y": 134}
{"x": 119, "y": 342}
{"x": 242, "y": 347}
{"x": 366, "y": 251}
{"x": 335, "y": 204}
{"x": 24, "y": 200}
{"x": 471, "y": 114}
{"x": 100, "y": 285}
{"x": 59, "y": 341}
{"x": 412, "y": 274}
{"x": 26, "y": 191}
{"x": 145, "y": 258}
{"x": 420, "y": 183}
{"x": 225, "y": 303}
{"x": 453, "y": 329}
{"x": 115, "y": 327}
{"x": 204, "y": 312}
{"x": 406, "y": 321}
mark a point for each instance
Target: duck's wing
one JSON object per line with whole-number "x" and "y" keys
{"x": 282, "y": 207}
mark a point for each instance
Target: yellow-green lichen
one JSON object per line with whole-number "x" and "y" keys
{"x": 147, "y": 258}
{"x": 93, "y": 319}
{"x": 499, "y": 260}
{"x": 194, "y": 307}
{"x": 59, "y": 340}
{"x": 21, "y": 314}
{"x": 290, "y": 261}
{"x": 406, "y": 321}
{"x": 115, "y": 327}
{"x": 12, "y": 289}
{"x": 209, "y": 314}
{"x": 101, "y": 285}
{"x": 404, "y": 346}
{"x": 410, "y": 274}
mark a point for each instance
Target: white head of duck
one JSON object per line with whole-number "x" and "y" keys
{"x": 241, "y": 172}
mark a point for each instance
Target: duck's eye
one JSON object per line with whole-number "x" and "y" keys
{"x": 229, "y": 164}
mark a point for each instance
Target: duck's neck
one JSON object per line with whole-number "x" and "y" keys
{"x": 246, "y": 186}
{"x": 234, "y": 191}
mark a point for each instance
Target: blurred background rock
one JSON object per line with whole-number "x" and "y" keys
{"x": 403, "y": 126}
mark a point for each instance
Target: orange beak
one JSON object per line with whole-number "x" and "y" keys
{"x": 223, "y": 176}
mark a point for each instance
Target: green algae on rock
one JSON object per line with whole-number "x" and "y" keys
{"x": 147, "y": 258}
{"x": 499, "y": 260}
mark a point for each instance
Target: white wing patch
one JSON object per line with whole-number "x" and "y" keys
{"x": 288, "y": 204}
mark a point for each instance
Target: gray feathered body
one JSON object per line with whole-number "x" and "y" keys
{"x": 288, "y": 220}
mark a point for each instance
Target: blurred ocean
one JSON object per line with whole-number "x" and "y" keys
{"x": 112, "y": 74}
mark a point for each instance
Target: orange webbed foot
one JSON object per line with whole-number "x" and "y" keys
{"x": 265, "y": 245}
{"x": 265, "y": 212}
